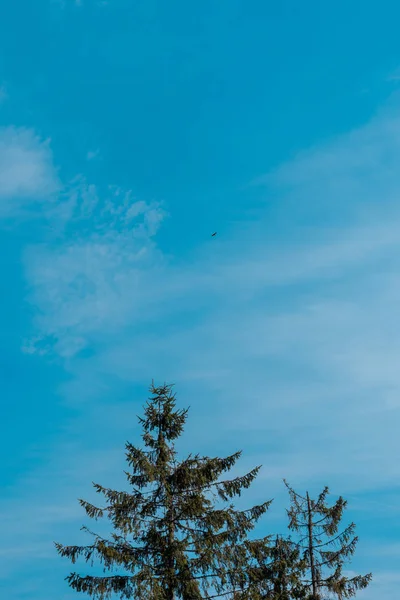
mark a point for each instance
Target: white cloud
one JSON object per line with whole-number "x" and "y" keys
{"x": 394, "y": 75}
{"x": 93, "y": 154}
{"x": 385, "y": 586}
{"x": 78, "y": 3}
{"x": 318, "y": 309}
{"x": 27, "y": 172}
{"x": 390, "y": 550}
{"x": 292, "y": 343}
{"x": 94, "y": 275}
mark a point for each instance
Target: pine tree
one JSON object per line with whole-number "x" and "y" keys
{"x": 172, "y": 540}
{"x": 314, "y": 520}
{"x": 285, "y": 571}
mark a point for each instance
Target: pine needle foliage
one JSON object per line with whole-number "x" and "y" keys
{"x": 315, "y": 522}
{"x": 177, "y": 533}
{"x": 285, "y": 571}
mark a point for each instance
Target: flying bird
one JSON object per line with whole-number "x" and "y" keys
{"x": 213, "y": 234}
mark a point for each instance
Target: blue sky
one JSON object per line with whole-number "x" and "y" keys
{"x": 129, "y": 132}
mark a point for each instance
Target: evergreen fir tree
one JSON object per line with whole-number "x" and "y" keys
{"x": 172, "y": 541}
{"x": 314, "y": 520}
{"x": 285, "y": 571}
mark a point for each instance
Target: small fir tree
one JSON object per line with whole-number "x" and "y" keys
{"x": 315, "y": 521}
{"x": 172, "y": 541}
{"x": 285, "y": 571}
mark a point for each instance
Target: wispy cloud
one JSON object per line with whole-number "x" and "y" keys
{"x": 77, "y": 3}
{"x": 394, "y": 76}
{"x": 294, "y": 341}
{"x": 105, "y": 245}
{"x": 27, "y": 173}
{"x": 93, "y": 154}
{"x": 384, "y": 586}
{"x": 224, "y": 318}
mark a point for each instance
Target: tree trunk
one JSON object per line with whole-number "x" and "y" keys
{"x": 171, "y": 578}
{"x": 311, "y": 551}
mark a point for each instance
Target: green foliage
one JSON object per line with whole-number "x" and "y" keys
{"x": 315, "y": 521}
{"x": 285, "y": 571}
{"x": 171, "y": 538}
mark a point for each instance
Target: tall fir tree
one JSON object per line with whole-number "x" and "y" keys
{"x": 315, "y": 521}
{"x": 171, "y": 538}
